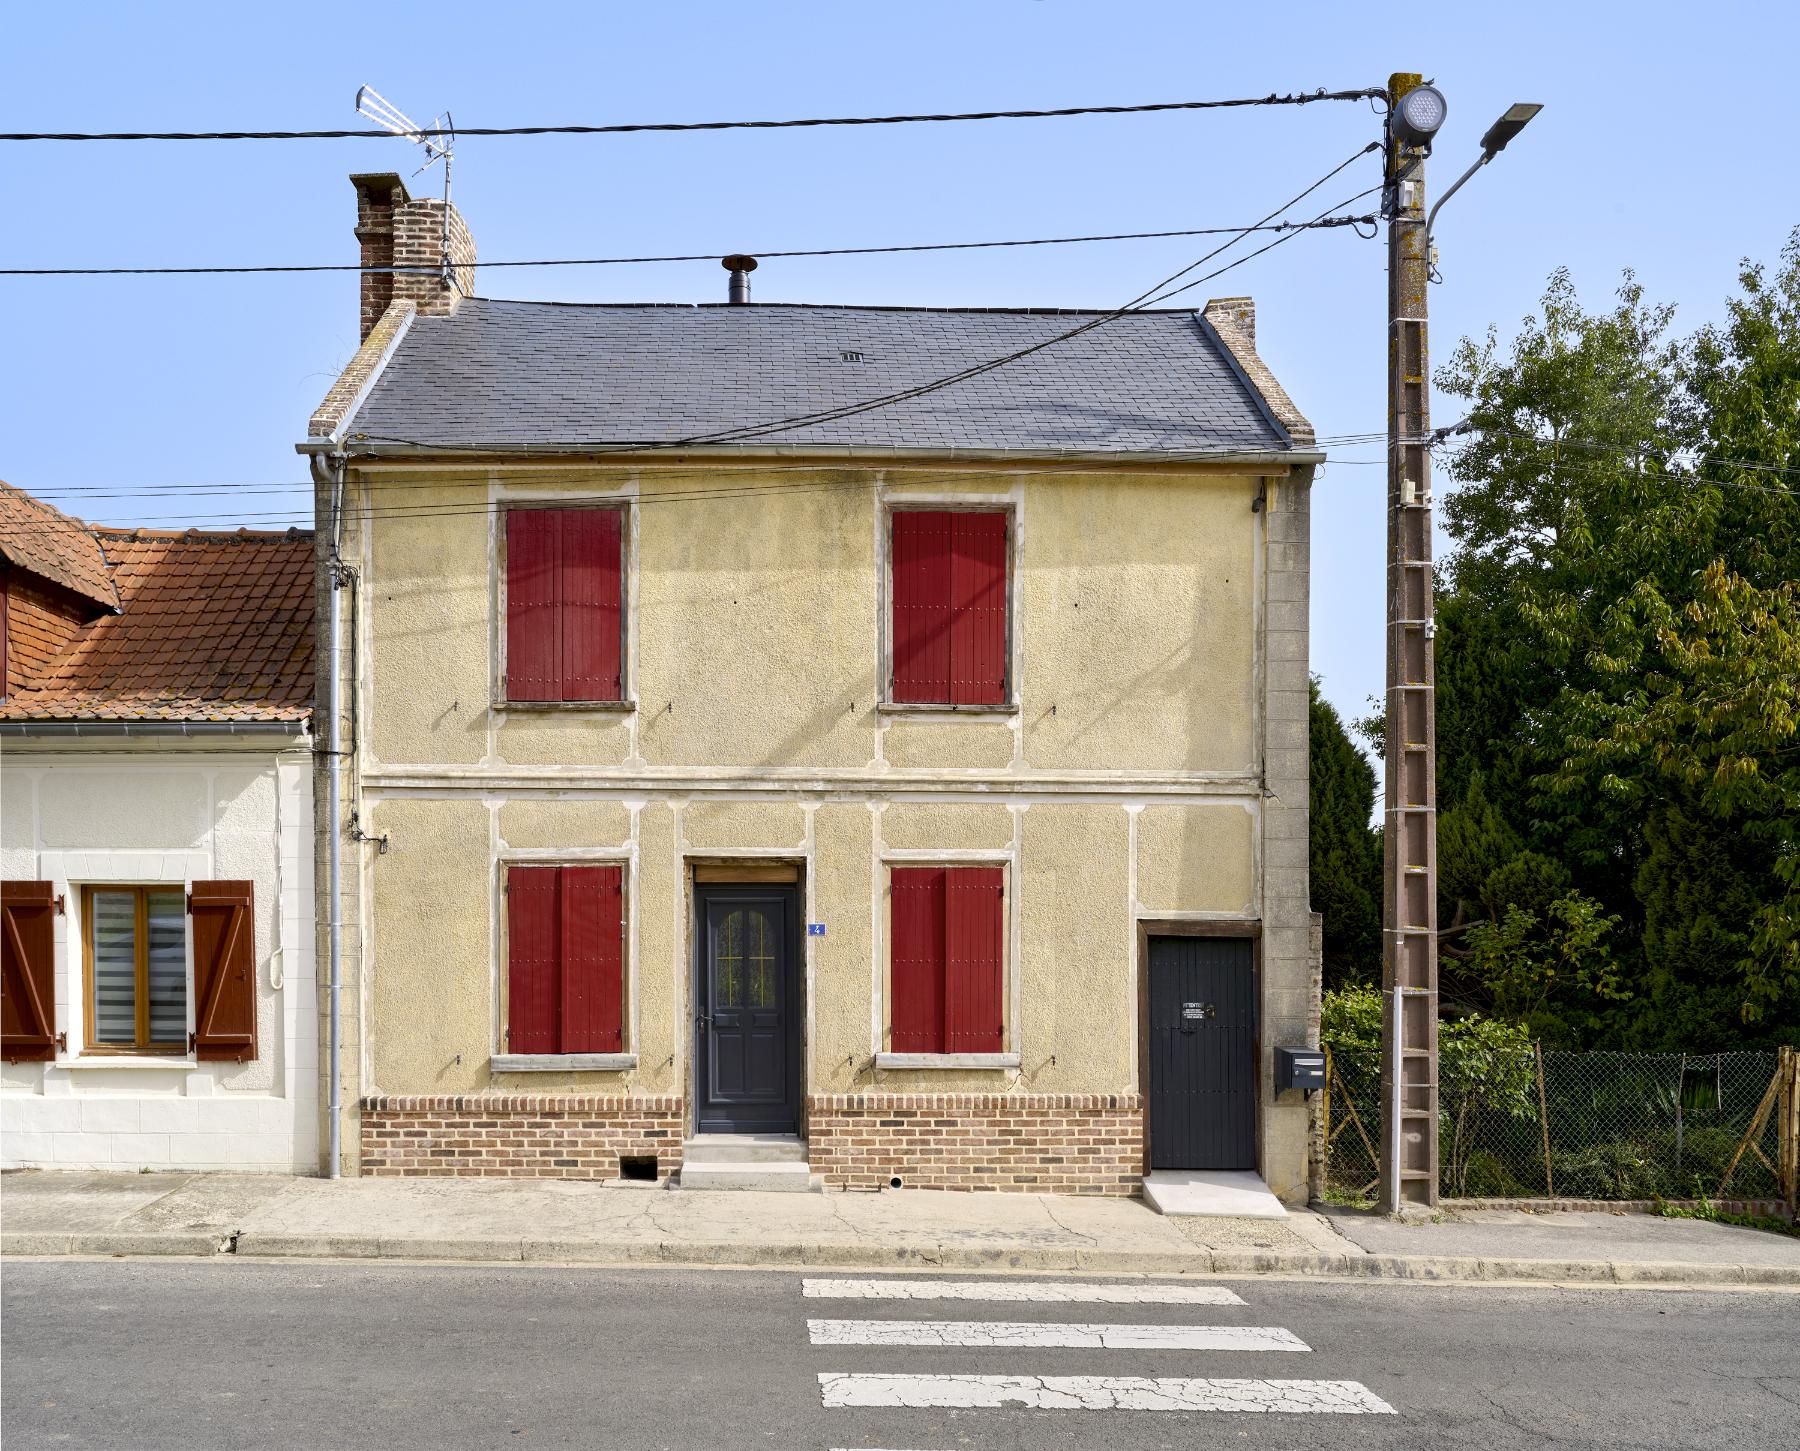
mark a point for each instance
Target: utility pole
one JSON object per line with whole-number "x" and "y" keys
{"x": 1409, "y": 975}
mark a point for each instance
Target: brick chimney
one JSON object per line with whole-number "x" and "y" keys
{"x": 1239, "y": 312}
{"x": 397, "y": 231}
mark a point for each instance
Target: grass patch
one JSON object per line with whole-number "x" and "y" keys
{"x": 1712, "y": 1214}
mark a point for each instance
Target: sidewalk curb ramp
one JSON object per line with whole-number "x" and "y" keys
{"x": 213, "y": 1244}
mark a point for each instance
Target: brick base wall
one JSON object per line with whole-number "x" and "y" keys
{"x": 1023, "y": 1143}
{"x": 519, "y": 1136}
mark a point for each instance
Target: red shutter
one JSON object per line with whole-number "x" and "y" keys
{"x": 533, "y": 604}
{"x": 921, "y": 633}
{"x": 224, "y": 937}
{"x": 592, "y": 963}
{"x": 973, "y": 974}
{"x": 27, "y": 972}
{"x": 591, "y": 601}
{"x": 533, "y": 948}
{"x": 916, "y": 955}
{"x": 977, "y": 609}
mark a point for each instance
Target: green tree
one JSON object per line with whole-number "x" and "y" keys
{"x": 1618, "y": 672}
{"x": 1345, "y": 849}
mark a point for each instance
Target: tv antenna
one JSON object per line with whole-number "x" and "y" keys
{"x": 439, "y": 141}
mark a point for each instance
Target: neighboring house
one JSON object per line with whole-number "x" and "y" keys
{"x": 922, "y": 787}
{"x": 156, "y": 842}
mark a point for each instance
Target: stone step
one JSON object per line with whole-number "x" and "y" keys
{"x": 744, "y": 1149}
{"x": 776, "y": 1178}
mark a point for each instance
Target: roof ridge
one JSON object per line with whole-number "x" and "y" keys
{"x": 239, "y": 535}
{"x": 750, "y": 308}
{"x": 47, "y": 508}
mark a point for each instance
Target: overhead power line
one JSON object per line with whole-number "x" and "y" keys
{"x": 1297, "y": 98}
{"x": 77, "y": 492}
{"x": 748, "y": 490}
{"x": 850, "y": 410}
{"x": 1368, "y": 220}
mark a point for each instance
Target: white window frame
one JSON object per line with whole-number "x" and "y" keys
{"x": 1009, "y": 1058}
{"x": 910, "y": 502}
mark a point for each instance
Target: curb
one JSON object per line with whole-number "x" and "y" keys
{"x": 1414, "y": 1268}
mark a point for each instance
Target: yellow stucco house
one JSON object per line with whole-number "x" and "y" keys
{"x": 765, "y": 762}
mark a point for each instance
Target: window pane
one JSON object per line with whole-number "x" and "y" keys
{"x": 168, "y": 967}
{"x": 115, "y": 967}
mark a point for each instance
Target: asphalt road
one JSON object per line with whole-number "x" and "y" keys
{"x": 141, "y": 1354}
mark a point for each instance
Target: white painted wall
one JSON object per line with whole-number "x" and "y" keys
{"x": 143, "y": 812}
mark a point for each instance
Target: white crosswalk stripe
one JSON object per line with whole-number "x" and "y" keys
{"x": 1031, "y": 1335}
{"x": 1099, "y": 1393}
{"x": 1034, "y": 1291}
{"x": 969, "y": 1391}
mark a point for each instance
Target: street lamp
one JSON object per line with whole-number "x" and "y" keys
{"x": 1409, "y": 972}
{"x": 1493, "y": 142}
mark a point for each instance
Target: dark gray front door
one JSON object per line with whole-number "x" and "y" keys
{"x": 1202, "y": 1053}
{"x": 747, "y": 1015}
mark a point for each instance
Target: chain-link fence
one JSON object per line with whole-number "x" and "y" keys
{"x": 1574, "y": 1125}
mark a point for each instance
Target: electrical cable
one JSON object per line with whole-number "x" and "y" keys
{"x": 434, "y": 271}
{"x": 1300, "y": 98}
{"x": 851, "y": 410}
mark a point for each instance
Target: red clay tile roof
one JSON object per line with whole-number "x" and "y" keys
{"x": 213, "y": 627}
{"x": 46, "y": 541}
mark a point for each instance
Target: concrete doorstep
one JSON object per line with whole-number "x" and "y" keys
{"x": 549, "y": 1221}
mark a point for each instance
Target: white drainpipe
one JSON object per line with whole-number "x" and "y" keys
{"x": 330, "y": 472}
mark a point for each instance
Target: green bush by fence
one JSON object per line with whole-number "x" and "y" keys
{"x": 1607, "y": 1126}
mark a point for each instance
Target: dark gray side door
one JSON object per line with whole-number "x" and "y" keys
{"x": 1202, "y": 1041}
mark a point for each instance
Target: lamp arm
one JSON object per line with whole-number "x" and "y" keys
{"x": 1431, "y": 217}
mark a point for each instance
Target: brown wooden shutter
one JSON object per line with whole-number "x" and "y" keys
{"x": 224, "y": 937}
{"x": 593, "y": 977}
{"x": 533, "y": 959}
{"x": 916, "y": 960}
{"x": 592, "y": 598}
{"x": 27, "y": 972}
{"x": 974, "y": 971}
{"x": 534, "y": 650}
{"x": 921, "y": 628}
{"x": 977, "y": 608}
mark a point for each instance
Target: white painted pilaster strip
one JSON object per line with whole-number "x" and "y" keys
{"x": 1099, "y": 1393}
{"x": 1021, "y": 1334}
{"x": 1035, "y": 1291}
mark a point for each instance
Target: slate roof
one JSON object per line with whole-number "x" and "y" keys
{"x": 37, "y": 537}
{"x": 213, "y": 626}
{"x": 524, "y": 374}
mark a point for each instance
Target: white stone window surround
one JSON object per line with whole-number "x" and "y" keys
{"x": 1009, "y": 1060}
{"x": 70, "y": 872}
{"x": 893, "y": 501}
{"x": 502, "y": 1061}
{"x": 502, "y": 500}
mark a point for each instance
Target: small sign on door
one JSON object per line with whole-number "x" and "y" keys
{"x": 1193, "y": 1012}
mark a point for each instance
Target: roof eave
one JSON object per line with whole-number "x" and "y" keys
{"x": 67, "y": 728}
{"x": 471, "y": 452}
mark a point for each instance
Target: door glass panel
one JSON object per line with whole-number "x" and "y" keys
{"x": 728, "y": 962}
{"x": 168, "y": 967}
{"x": 760, "y": 965}
{"x": 115, "y": 967}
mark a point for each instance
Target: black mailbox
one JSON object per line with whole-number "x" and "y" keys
{"x": 1299, "y": 1068}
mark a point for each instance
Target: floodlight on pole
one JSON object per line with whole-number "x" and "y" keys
{"x": 1418, "y": 115}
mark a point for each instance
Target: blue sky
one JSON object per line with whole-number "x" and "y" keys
{"x": 1666, "y": 146}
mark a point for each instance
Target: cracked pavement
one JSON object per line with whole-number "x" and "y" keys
{"x": 422, "y": 1356}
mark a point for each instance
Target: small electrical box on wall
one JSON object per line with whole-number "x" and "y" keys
{"x": 1302, "y": 1068}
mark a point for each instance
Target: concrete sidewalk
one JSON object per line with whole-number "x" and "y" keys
{"x": 50, "y": 1213}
